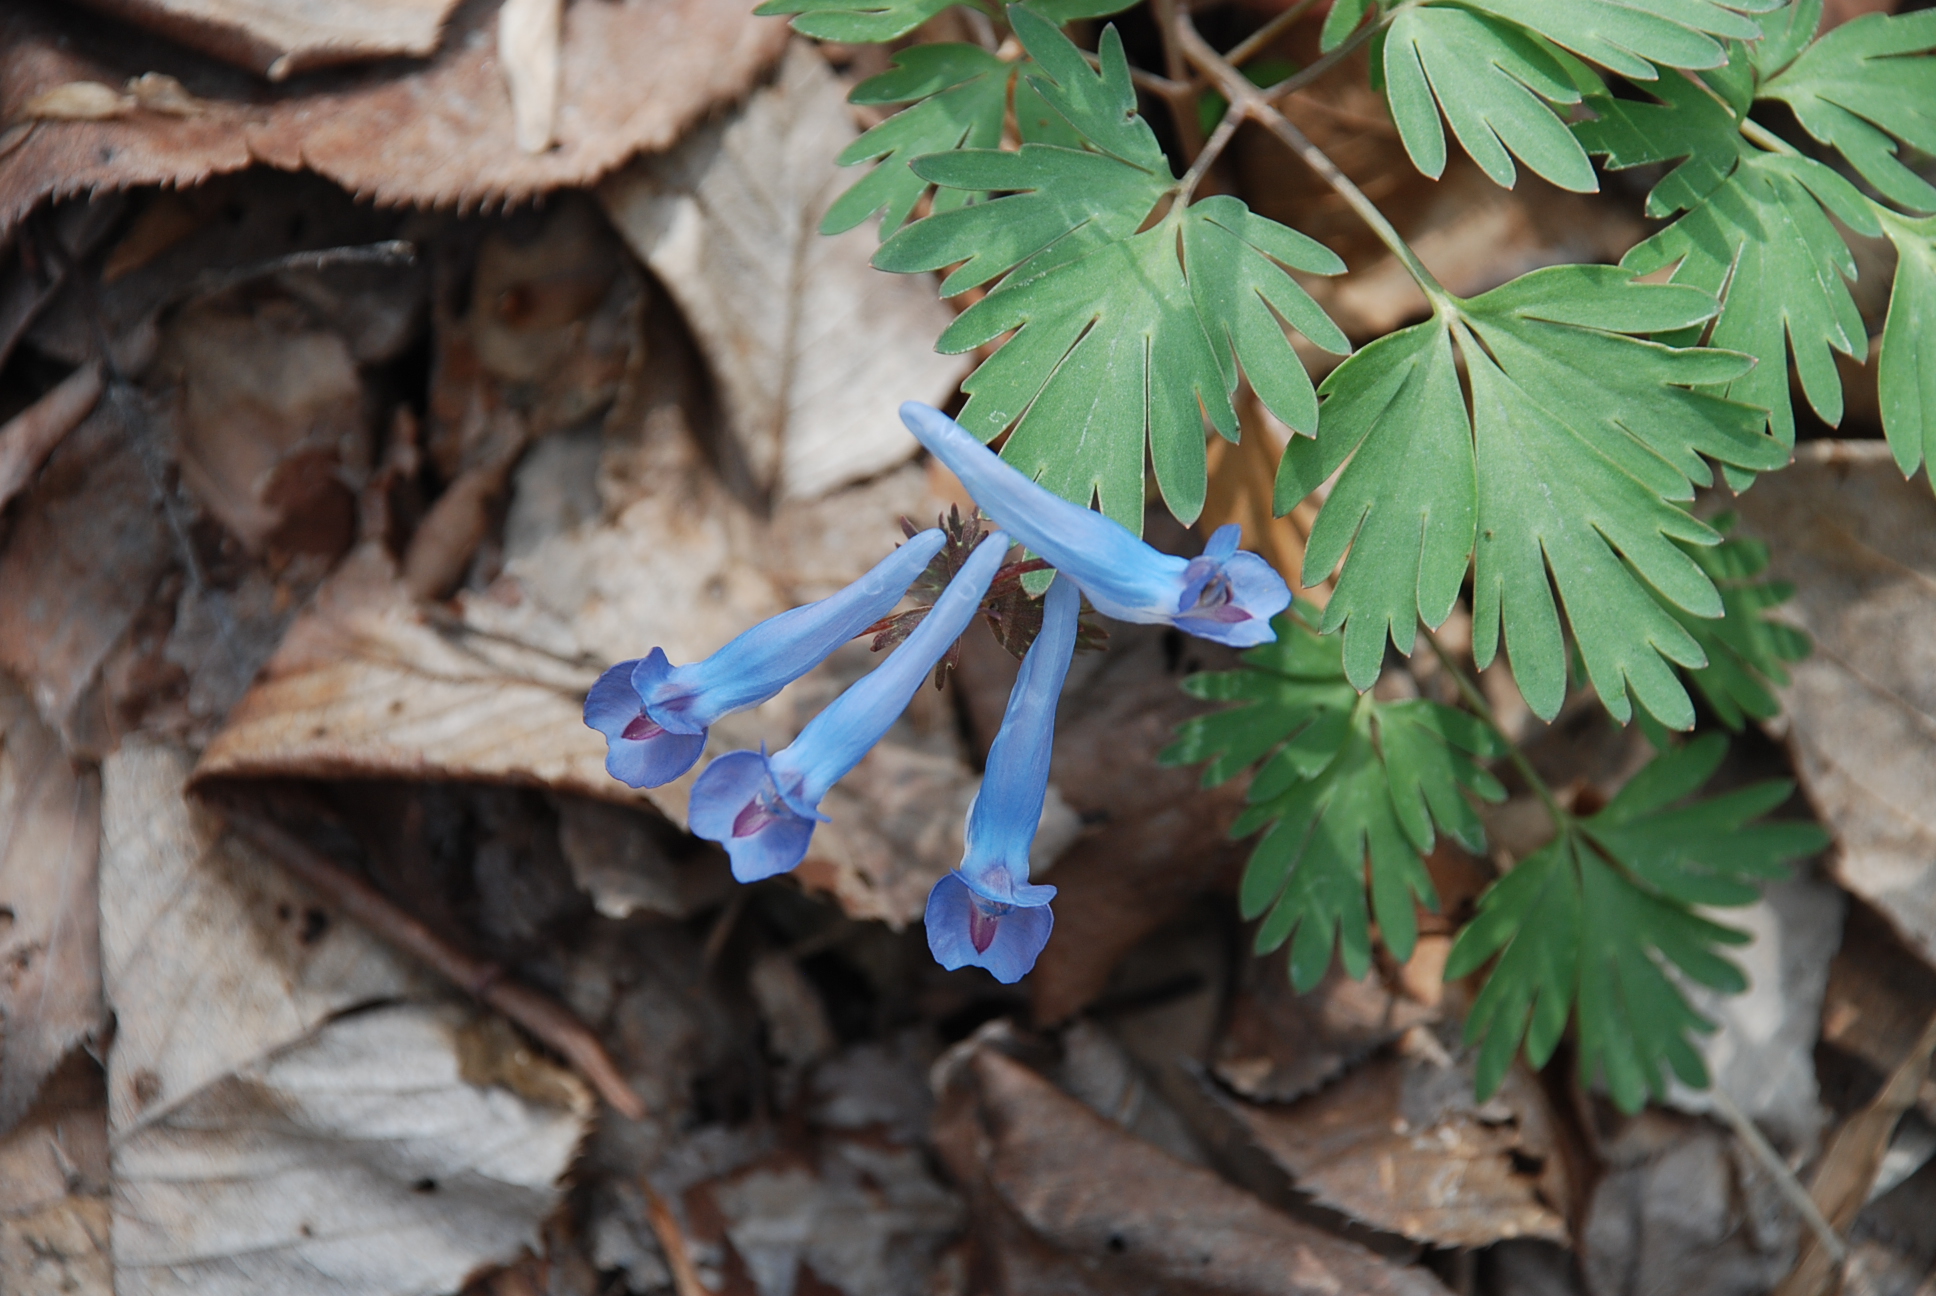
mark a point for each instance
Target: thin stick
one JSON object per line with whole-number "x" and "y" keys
{"x": 30, "y": 436}
{"x": 1785, "y": 1180}
{"x": 1212, "y": 148}
{"x": 672, "y": 1241}
{"x": 1250, "y": 46}
{"x": 1295, "y": 82}
{"x": 1483, "y": 709}
{"x": 1238, "y": 90}
{"x": 548, "y": 1020}
{"x": 1183, "y": 108}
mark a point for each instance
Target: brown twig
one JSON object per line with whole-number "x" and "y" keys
{"x": 545, "y": 1018}
{"x": 672, "y": 1241}
{"x": 30, "y": 436}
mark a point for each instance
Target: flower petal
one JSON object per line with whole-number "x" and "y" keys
{"x": 1018, "y": 939}
{"x": 736, "y": 802}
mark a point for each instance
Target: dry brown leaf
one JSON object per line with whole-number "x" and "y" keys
{"x": 88, "y": 548}
{"x": 1842, "y": 1180}
{"x": 77, "y": 101}
{"x": 1878, "y": 998}
{"x": 1399, "y": 1144}
{"x": 279, "y": 38}
{"x": 1067, "y": 1201}
{"x": 628, "y": 863}
{"x": 53, "y": 1189}
{"x": 270, "y": 414}
{"x": 1859, "y": 544}
{"x": 814, "y": 350}
{"x": 527, "y": 49}
{"x": 263, "y": 1136}
{"x": 634, "y": 74}
{"x": 1280, "y": 1045}
{"x": 50, "y": 953}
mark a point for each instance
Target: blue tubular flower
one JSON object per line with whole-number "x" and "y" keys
{"x": 654, "y": 715}
{"x": 762, "y": 808}
{"x": 986, "y": 913}
{"x": 1224, "y": 595}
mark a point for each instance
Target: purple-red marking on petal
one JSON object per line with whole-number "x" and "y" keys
{"x": 640, "y": 728}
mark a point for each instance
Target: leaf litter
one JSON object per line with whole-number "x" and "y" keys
{"x": 388, "y": 486}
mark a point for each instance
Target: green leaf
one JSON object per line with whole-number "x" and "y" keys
{"x": 1067, "y": 11}
{"x": 1688, "y": 124}
{"x": 856, "y": 21}
{"x": 1861, "y": 89}
{"x": 1630, "y": 36}
{"x": 1489, "y": 79}
{"x": 1762, "y": 243}
{"x": 1120, "y": 338}
{"x": 1906, "y": 371}
{"x": 1343, "y": 19}
{"x": 1343, "y": 779}
{"x": 1785, "y": 33}
{"x": 1745, "y": 651}
{"x": 1579, "y": 439}
{"x": 963, "y": 93}
{"x": 1593, "y": 925}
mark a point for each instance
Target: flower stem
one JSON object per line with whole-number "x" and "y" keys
{"x": 1483, "y": 709}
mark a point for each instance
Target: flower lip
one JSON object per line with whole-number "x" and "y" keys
{"x": 965, "y": 931}
{"x": 1124, "y": 577}
{"x": 737, "y": 803}
{"x": 639, "y": 752}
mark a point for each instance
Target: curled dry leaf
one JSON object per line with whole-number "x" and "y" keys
{"x": 813, "y": 350}
{"x": 1401, "y": 1145}
{"x": 264, "y": 1135}
{"x": 634, "y": 74}
{"x": 53, "y": 1186}
{"x": 1071, "y": 1202}
{"x": 1859, "y": 545}
{"x": 1281, "y": 1045}
{"x": 89, "y": 546}
{"x": 50, "y": 954}
{"x": 280, "y": 40}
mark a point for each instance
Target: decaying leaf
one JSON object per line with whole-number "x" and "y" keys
{"x": 1859, "y": 545}
{"x": 634, "y": 74}
{"x": 813, "y": 350}
{"x": 527, "y": 48}
{"x": 30, "y": 436}
{"x": 280, "y": 40}
{"x": 87, "y": 550}
{"x": 1762, "y": 1054}
{"x": 53, "y": 1190}
{"x": 1684, "y": 1208}
{"x": 263, "y": 1133}
{"x": 50, "y": 956}
{"x": 1401, "y": 1145}
{"x": 1280, "y": 1045}
{"x": 1077, "y": 1204}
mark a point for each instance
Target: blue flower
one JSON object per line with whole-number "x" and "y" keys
{"x": 986, "y": 913}
{"x": 1224, "y": 595}
{"x": 654, "y": 715}
{"x": 763, "y": 808}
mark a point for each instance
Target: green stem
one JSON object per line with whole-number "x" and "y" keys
{"x": 1767, "y": 139}
{"x": 1212, "y": 147}
{"x": 1253, "y": 44}
{"x": 1483, "y": 709}
{"x": 1290, "y": 85}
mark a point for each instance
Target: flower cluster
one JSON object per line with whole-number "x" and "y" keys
{"x": 763, "y": 807}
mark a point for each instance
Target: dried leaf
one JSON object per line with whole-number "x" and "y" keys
{"x": 53, "y": 1184}
{"x": 1859, "y": 545}
{"x": 280, "y": 40}
{"x": 1280, "y": 1045}
{"x": 77, "y": 101}
{"x": 1071, "y": 1202}
{"x": 527, "y": 49}
{"x": 626, "y": 862}
{"x": 50, "y": 955}
{"x": 262, "y": 1135}
{"x": 633, "y": 75}
{"x": 88, "y": 547}
{"x": 813, "y": 350}
{"x": 1400, "y": 1145}
{"x": 1684, "y": 1208}
{"x": 268, "y": 409}
{"x": 1763, "y": 1053}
